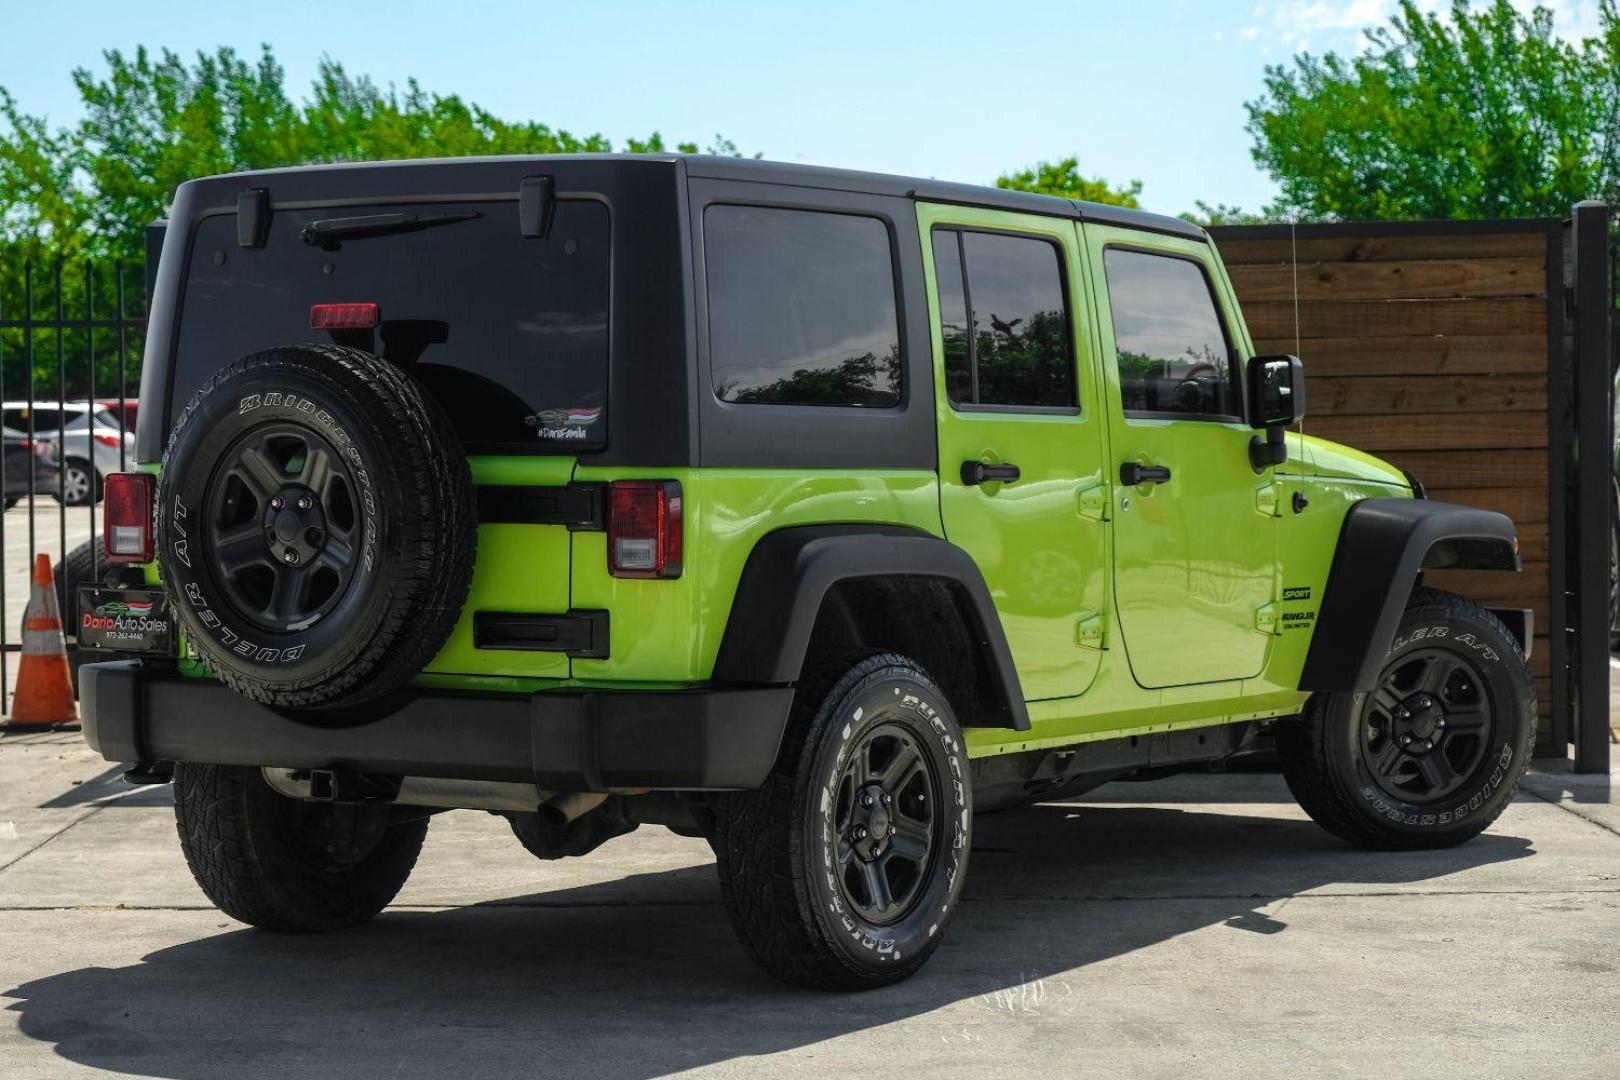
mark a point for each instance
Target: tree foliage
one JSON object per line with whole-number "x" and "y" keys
{"x": 1476, "y": 112}
{"x": 152, "y": 121}
{"x": 1063, "y": 178}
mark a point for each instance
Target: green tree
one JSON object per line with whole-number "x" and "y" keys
{"x": 1473, "y": 113}
{"x": 152, "y": 121}
{"x": 85, "y": 193}
{"x": 1063, "y": 178}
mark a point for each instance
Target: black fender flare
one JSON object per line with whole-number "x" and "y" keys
{"x": 1383, "y": 545}
{"x": 789, "y": 572}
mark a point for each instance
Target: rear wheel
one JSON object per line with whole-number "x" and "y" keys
{"x": 841, "y": 872}
{"x": 289, "y": 864}
{"x": 1433, "y": 754}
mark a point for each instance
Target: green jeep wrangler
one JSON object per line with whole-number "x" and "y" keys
{"x": 803, "y": 510}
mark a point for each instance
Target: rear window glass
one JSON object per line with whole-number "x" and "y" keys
{"x": 509, "y": 334}
{"x": 802, "y": 307}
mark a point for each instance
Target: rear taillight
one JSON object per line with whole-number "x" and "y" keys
{"x": 127, "y": 517}
{"x": 106, "y": 439}
{"x": 644, "y": 529}
{"x": 343, "y": 316}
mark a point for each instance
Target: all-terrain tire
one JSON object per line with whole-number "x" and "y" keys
{"x": 778, "y": 848}
{"x": 268, "y": 860}
{"x": 382, "y": 546}
{"x": 1344, "y": 760}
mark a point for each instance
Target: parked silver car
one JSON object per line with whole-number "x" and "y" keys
{"x": 93, "y": 438}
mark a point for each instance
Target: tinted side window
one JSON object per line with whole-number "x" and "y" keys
{"x": 1172, "y": 347}
{"x": 1005, "y": 320}
{"x": 802, "y": 307}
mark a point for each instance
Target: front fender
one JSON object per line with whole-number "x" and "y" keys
{"x": 1383, "y": 544}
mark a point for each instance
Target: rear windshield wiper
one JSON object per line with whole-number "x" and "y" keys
{"x": 327, "y": 231}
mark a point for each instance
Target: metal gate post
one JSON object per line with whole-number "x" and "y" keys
{"x": 1593, "y": 505}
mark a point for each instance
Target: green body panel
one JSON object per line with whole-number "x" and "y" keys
{"x": 519, "y": 568}
{"x": 1042, "y": 543}
{"x": 671, "y": 630}
{"x": 1321, "y": 458}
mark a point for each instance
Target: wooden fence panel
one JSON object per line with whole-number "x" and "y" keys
{"x": 1429, "y": 346}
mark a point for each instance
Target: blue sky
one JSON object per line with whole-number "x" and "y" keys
{"x": 1145, "y": 89}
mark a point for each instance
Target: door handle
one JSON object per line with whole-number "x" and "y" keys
{"x": 981, "y": 472}
{"x": 1131, "y": 474}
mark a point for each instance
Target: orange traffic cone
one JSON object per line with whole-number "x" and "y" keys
{"x": 44, "y": 684}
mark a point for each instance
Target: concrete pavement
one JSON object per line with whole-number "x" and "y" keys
{"x": 1196, "y": 927}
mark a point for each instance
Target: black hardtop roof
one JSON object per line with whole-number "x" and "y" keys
{"x": 747, "y": 169}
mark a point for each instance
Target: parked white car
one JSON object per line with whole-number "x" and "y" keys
{"x": 92, "y": 436}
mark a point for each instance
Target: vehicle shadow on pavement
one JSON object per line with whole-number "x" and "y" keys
{"x": 585, "y": 983}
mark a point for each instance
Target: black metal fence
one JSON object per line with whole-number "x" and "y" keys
{"x": 71, "y": 337}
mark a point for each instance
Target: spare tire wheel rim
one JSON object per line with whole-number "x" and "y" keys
{"x": 283, "y": 527}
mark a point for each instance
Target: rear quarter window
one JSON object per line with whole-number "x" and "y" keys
{"x": 802, "y": 307}
{"x": 509, "y": 334}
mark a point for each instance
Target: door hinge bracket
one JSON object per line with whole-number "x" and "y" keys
{"x": 1091, "y": 632}
{"x": 1093, "y": 502}
{"x": 1265, "y": 617}
{"x": 1268, "y": 499}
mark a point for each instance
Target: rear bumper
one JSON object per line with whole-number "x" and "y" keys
{"x": 562, "y": 740}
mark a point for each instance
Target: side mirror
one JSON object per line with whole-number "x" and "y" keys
{"x": 1276, "y": 391}
{"x": 1276, "y": 403}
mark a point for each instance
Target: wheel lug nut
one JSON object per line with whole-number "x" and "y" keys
{"x": 305, "y": 503}
{"x": 291, "y": 556}
{"x": 892, "y": 830}
{"x": 1406, "y": 740}
{"x": 866, "y": 800}
{"x": 884, "y": 798}
{"x": 860, "y": 832}
{"x": 277, "y": 503}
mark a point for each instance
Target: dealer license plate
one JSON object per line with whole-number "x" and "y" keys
{"x": 124, "y": 619}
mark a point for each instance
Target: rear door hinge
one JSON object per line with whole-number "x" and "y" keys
{"x": 1093, "y": 502}
{"x": 1091, "y": 632}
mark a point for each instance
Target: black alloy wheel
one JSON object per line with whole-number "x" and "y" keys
{"x": 885, "y": 816}
{"x": 1432, "y": 754}
{"x": 1428, "y": 726}
{"x": 282, "y": 521}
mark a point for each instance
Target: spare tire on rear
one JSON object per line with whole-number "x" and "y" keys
{"x": 316, "y": 526}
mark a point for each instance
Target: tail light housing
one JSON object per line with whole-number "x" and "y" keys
{"x": 644, "y": 529}
{"x": 127, "y": 517}
{"x": 106, "y": 438}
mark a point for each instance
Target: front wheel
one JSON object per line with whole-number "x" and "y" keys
{"x": 1433, "y": 754}
{"x": 841, "y": 872}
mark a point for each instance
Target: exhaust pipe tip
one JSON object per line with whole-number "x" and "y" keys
{"x": 570, "y": 805}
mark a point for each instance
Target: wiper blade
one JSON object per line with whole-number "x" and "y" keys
{"x": 327, "y": 231}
